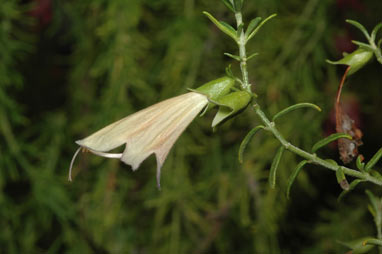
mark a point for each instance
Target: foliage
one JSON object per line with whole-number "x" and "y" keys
{"x": 98, "y": 61}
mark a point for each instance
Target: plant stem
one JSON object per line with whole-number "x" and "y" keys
{"x": 243, "y": 54}
{"x": 377, "y": 51}
{"x": 270, "y": 126}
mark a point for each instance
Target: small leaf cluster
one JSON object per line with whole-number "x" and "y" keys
{"x": 360, "y": 57}
{"x": 240, "y": 35}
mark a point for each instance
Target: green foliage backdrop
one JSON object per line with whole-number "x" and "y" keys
{"x": 68, "y": 68}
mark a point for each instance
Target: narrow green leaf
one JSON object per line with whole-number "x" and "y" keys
{"x": 341, "y": 179}
{"x": 329, "y": 139}
{"x": 357, "y": 246}
{"x": 252, "y": 25}
{"x": 294, "y": 175}
{"x": 363, "y": 45}
{"x": 246, "y": 140}
{"x": 374, "y": 160}
{"x": 372, "y": 241}
{"x": 224, "y": 27}
{"x": 229, "y": 73}
{"x": 237, "y": 58}
{"x": 294, "y": 107}
{"x": 228, "y": 4}
{"x": 229, "y": 27}
{"x": 333, "y": 162}
{"x": 359, "y": 163}
{"x": 352, "y": 186}
{"x": 376, "y": 174}
{"x": 252, "y": 55}
{"x": 259, "y": 26}
{"x": 379, "y": 43}
{"x": 374, "y": 203}
{"x": 359, "y": 26}
{"x": 274, "y": 166}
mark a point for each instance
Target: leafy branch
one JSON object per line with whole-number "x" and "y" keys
{"x": 241, "y": 37}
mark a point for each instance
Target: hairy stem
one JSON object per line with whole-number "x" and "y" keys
{"x": 377, "y": 51}
{"x": 313, "y": 158}
{"x": 243, "y": 54}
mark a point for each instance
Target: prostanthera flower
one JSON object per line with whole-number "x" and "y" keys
{"x": 151, "y": 130}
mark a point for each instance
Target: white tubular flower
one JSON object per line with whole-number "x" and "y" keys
{"x": 151, "y": 130}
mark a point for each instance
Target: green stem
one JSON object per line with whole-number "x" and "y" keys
{"x": 243, "y": 54}
{"x": 270, "y": 126}
{"x": 377, "y": 51}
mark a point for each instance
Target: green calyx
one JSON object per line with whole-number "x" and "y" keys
{"x": 230, "y": 105}
{"x": 356, "y": 60}
{"x": 214, "y": 90}
{"x": 219, "y": 93}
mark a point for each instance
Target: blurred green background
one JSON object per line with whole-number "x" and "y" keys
{"x": 68, "y": 68}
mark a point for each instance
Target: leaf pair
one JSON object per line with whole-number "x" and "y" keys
{"x": 253, "y": 27}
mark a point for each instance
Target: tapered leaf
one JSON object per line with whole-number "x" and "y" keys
{"x": 372, "y": 241}
{"x": 341, "y": 179}
{"x": 237, "y": 58}
{"x": 359, "y": 26}
{"x": 230, "y": 28}
{"x": 274, "y": 166}
{"x": 229, "y": 73}
{"x": 252, "y": 25}
{"x": 224, "y": 27}
{"x": 252, "y": 55}
{"x": 352, "y": 186}
{"x": 377, "y": 156}
{"x": 375, "y": 203}
{"x": 228, "y": 4}
{"x": 375, "y": 174}
{"x": 358, "y": 246}
{"x": 359, "y": 162}
{"x": 329, "y": 139}
{"x": 259, "y": 26}
{"x": 363, "y": 45}
{"x": 246, "y": 140}
{"x": 294, "y": 107}
{"x": 294, "y": 175}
